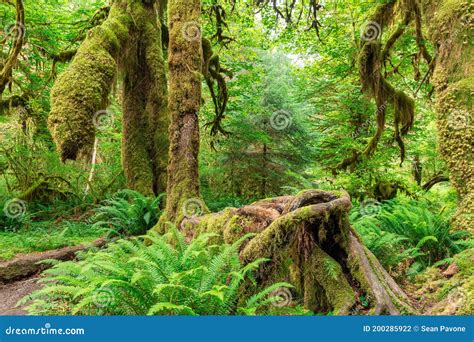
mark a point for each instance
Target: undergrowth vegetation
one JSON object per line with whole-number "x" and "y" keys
{"x": 44, "y": 236}
{"x": 155, "y": 275}
{"x": 127, "y": 213}
{"x": 409, "y": 235}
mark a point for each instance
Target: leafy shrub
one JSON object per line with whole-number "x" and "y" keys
{"x": 154, "y": 275}
{"x": 409, "y": 231}
{"x": 127, "y": 213}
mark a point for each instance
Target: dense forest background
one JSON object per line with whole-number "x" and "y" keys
{"x": 372, "y": 97}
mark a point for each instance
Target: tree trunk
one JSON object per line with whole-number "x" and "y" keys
{"x": 18, "y": 39}
{"x": 145, "y": 107}
{"x": 129, "y": 40}
{"x": 310, "y": 244}
{"x": 83, "y": 89}
{"x": 185, "y": 65}
{"x": 451, "y": 29}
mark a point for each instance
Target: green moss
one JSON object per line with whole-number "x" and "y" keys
{"x": 83, "y": 89}
{"x": 448, "y": 296}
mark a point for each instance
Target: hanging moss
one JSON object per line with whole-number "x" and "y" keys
{"x": 129, "y": 40}
{"x": 371, "y": 60}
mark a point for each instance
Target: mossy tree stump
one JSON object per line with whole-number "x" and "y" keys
{"x": 310, "y": 244}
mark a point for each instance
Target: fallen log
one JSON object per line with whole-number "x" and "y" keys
{"x": 25, "y": 265}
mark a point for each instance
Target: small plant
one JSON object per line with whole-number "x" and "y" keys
{"x": 410, "y": 231}
{"x": 127, "y": 213}
{"x": 153, "y": 275}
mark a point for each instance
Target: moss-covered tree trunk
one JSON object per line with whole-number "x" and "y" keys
{"x": 145, "y": 106}
{"x": 128, "y": 41}
{"x": 83, "y": 89}
{"x": 185, "y": 65}
{"x": 451, "y": 27}
{"x": 310, "y": 244}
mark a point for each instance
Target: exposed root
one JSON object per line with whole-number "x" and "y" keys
{"x": 311, "y": 244}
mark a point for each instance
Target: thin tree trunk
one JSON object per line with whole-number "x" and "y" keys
{"x": 18, "y": 39}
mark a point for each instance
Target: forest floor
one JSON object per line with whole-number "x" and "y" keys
{"x": 13, "y": 292}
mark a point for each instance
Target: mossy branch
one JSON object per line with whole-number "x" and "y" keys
{"x": 18, "y": 40}
{"x": 83, "y": 89}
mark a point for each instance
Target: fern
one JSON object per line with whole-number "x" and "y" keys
{"x": 127, "y": 213}
{"x": 411, "y": 231}
{"x": 152, "y": 274}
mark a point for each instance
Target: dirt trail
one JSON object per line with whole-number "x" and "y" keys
{"x": 10, "y": 294}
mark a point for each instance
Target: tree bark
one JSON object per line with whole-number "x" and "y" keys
{"x": 185, "y": 65}
{"x": 83, "y": 89}
{"x": 18, "y": 39}
{"x": 451, "y": 27}
{"x": 310, "y": 244}
{"x": 129, "y": 40}
{"x": 145, "y": 106}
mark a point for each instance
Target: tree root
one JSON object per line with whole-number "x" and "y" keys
{"x": 311, "y": 244}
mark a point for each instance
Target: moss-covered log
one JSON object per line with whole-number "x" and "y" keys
{"x": 451, "y": 29}
{"x": 185, "y": 66}
{"x": 311, "y": 244}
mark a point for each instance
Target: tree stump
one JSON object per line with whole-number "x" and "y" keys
{"x": 310, "y": 244}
